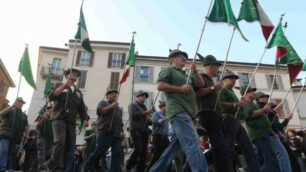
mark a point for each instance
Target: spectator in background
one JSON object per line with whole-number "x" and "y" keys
{"x": 160, "y": 133}
{"x": 30, "y": 158}
{"x": 297, "y": 147}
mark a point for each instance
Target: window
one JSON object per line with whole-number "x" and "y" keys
{"x": 56, "y": 66}
{"x": 244, "y": 79}
{"x": 144, "y": 74}
{"x": 116, "y": 60}
{"x": 84, "y": 58}
{"x": 114, "y": 81}
{"x": 82, "y": 79}
{"x": 278, "y": 84}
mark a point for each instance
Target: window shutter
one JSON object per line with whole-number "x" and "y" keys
{"x": 269, "y": 82}
{"x": 240, "y": 80}
{"x": 253, "y": 84}
{"x": 151, "y": 74}
{"x": 137, "y": 74}
{"x": 110, "y": 58}
{"x": 92, "y": 56}
{"x": 279, "y": 82}
{"x": 83, "y": 79}
{"x": 77, "y": 63}
{"x": 114, "y": 80}
{"x": 123, "y": 60}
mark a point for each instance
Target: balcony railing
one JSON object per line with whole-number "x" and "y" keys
{"x": 56, "y": 73}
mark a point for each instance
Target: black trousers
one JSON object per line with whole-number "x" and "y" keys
{"x": 138, "y": 157}
{"x": 160, "y": 143}
{"x": 236, "y": 133}
{"x": 214, "y": 125}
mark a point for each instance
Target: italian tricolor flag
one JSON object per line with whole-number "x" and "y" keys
{"x": 251, "y": 11}
{"x": 285, "y": 53}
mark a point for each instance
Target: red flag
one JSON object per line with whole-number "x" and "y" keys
{"x": 125, "y": 75}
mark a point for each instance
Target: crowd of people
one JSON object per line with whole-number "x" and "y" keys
{"x": 202, "y": 126}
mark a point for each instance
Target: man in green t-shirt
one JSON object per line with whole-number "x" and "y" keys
{"x": 259, "y": 129}
{"x": 181, "y": 101}
{"x": 90, "y": 138}
{"x": 234, "y": 130}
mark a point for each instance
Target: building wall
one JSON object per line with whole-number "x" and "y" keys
{"x": 38, "y": 100}
{"x": 300, "y": 108}
{"x": 5, "y": 83}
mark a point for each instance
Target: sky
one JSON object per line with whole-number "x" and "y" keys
{"x": 160, "y": 25}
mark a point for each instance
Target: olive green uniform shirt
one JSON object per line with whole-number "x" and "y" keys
{"x": 208, "y": 101}
{"x": 13, "y": 124}
{"x": 45, "y": 129}
{"x": 177, "y": 102}
{"x": 227, "y": 95}
{"x": 256, "y": 126}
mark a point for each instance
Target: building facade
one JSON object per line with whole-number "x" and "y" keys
{"x": 300, "y": 106}
{"x": 5, "y": 83}
{"x": 104, "y": 68}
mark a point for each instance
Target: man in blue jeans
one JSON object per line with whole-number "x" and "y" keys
{"x": 109, "y": 132}
{"x": 278, "y": 148}
{"x": 13, "y": 128}
{"x": 259, "y": 129}
{"x": 181, "y": 101}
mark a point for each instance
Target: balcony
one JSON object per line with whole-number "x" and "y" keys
{"x": 56, "y": 73}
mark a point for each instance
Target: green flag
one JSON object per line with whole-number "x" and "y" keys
{"x": 222, "y": 12}
{"x": 25, "y": 68}
{"x": 131, "y": 59}
{"x": 48, "y": 84}
{"x": 82, "y": 33}
{"x": 304, "y": 66}
{"x": 285, "y": 53}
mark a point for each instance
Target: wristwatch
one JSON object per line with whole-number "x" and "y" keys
{"x": 212, "y": 88}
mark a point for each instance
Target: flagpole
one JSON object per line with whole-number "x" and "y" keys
{"x": 224, "y": 65}
{"x": 119, "y": 88}
{"x": 19, "y": 85}
{"x": 73, "y": 55}
{"x": 199, "y": 43}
